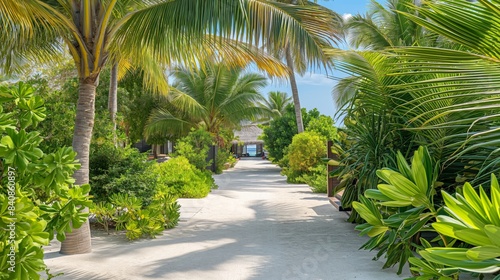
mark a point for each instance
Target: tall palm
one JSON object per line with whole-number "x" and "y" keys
{"x": 215, "y": 98}
{"x": 297, "y": 60}
{"x": 168, "y": 31}
{"x": 275, "y": 104}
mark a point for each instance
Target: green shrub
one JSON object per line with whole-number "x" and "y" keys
{"x": 316, "y": 178}
{"x": 303, "y": 161}
{"x": 324, "y": 126}
{"x": 223, "y": 157}
{"x": 181, "y": 179}
{"x": 306, "y": 151}
{"x": 278, "y": 135}
{"x": 195, "y": 148}
{"x": 128, "y": 213}
{"x": 120, "y": 170}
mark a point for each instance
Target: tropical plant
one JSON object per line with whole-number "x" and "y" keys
{"x": 303, "y": 162}
{"x": 385, "y": 26}
{"x": 297, "y": 60}
{"x": 275, "y": 104}
{"x": 195, "y": 148}
{"x": 163, "y": 32}
{"x": 373, "y": 128}
{"x": 37, "y": 195}
{"x": 398, "y": 211}
{"x": 213, "y": 98}
{"x": 179, "y": 178}
{"x": 120, "y": 170}
{"x": 473, "y": 218}
{"x": 138, "y": 221}
{"x": 324, "y": 126}
{"x": 278, "y": 135}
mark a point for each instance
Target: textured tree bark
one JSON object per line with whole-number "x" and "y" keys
{"x": 295, "y": 91}
{"x": 78, "y": 241}
{"x": 113, "y": 99}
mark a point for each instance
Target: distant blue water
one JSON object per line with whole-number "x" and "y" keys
{"x": 252, "y": 151}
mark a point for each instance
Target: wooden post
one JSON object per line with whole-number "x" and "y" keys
{"x": 332, "y": 182}
{"x": 329, "y": 190}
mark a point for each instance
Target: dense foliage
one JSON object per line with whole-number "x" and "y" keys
{"x": 300, "y": 155}
{"x": 129, "y": 213}
{"x": 303, "y": 162}
{"x": 278, "y": 135}
{"x": 180, "y": 178}
{"x": 195, "y": 148}
{"x": 37, "y": 195}
{"x": 120, "y": 170}
{"x": 443, "y": 96}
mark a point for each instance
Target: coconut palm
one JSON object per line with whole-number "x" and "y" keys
{"x": 382, "y": 27}
{"x": 297, "y": 60}
{"x": 167, "y": 32}
{"x": 275, "y": 104}
{"x": 213, "y": 98}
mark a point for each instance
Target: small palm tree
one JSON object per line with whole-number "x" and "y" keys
{"x": 215, "y": 98}
{"x": 275, "y": 104}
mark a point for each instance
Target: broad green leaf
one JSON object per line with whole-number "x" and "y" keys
{"x": 403, "y": 166}
{"x": 493, "y": 232}
{"x": 368, "y": 215}
{"x": 377, "y": 230}
{"x": 482, "y": 253}
{"x": 394, "y": 178}
{"x": 476, "y": 237}
{"x": 474, "y": 200}
{"x": 419, "y": 174}
{"x": 376, "y": 194}
{"x": 394, "y": 193}
{"x": 460, "y": 212}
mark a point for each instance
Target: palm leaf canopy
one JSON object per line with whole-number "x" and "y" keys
{"x": 214, "y": 98}
{"x": 173, "y": 31}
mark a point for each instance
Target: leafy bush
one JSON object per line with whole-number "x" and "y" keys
{"x": 306, "y": 151}
{"x": 223, "y": 157}
{"x": 473, "y": 218}
{"x": 324, "y": 126}
{"x": 194, "y": 147}
{"x": 37, "y": 197}
{"x": 120, "y": 170}
{"x": 181, "y": 179}
{"x": 316, "y": 178}
{"x": 303, "y": 161}
{"x": 398, "y": 211}
{"x": 279, "y": 134}
{"x": 127, "y": 212}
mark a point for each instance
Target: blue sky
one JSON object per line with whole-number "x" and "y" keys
{"x": 314, "y": 87}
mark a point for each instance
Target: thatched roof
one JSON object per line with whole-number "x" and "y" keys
{"x": 248, "y": 135}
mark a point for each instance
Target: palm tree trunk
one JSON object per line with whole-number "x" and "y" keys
{"x": 78, "y": 241}
{"x": 113, "y": 98}
{"x": 295, "y": 91}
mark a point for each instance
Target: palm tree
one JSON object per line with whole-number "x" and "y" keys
{"x": 384, "y": 26}
{"x": 214, "y": 98}
{"x": 297, "y": 60}
{"x": 275, "y": 104}
{"x": 165, "y": 31}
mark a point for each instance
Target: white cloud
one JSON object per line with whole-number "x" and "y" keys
{"x": 315, "y": 80}
{"x": 346, "y": 16}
